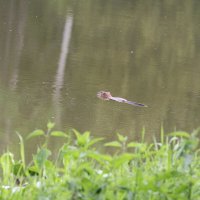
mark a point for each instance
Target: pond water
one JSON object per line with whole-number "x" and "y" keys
{"x": 56, "y": 55}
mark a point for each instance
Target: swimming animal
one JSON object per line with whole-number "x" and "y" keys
{"x": 107, "y": 96}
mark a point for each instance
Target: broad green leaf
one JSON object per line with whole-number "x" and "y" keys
{"x": 121, "y": 138}
{"x": 135, "y": 144}
{"x": 82, "y": 139}
{"x": 180, "y": 134}
{"x": 124, "y": 158}
{"x": 7, "y": 163}
{"x": 50, "y": 125}
{"x": 113, "y": 144}
{"x": 84, "y": 167}
{"x": 95, "y": 140}
{"x": 18, "y": 169}
{"x": 100, "y": 157}
{"x": 41, "y": 157}
{"x": 58, "y": 134}
{"x": 35, "y": 133}
{"x": 33, "y": 170}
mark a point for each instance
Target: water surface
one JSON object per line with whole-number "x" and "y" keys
{"x": 56, "y": 55}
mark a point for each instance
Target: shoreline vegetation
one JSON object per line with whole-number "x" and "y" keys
{"x": 164, "y": 169}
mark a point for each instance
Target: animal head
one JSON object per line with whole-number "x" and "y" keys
{"x": 104, "y": 95}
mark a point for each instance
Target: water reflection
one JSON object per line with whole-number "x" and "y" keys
{"x": 59, "y": 78}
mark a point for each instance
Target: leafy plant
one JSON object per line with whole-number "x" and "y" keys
{"x": 168, "y": 169}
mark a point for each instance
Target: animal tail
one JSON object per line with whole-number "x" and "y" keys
{"x": 136, "y": 104}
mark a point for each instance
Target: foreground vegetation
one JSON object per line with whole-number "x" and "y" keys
{"x": 168, "y": 169}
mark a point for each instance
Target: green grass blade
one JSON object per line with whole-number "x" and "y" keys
{"x": 22, "y": 152}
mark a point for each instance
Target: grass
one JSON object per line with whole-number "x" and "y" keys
{"x": 168, "y": 169}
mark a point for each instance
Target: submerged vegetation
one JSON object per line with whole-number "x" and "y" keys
{"x": 164, "y": 169}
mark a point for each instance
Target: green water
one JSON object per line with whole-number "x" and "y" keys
{"x": 56, "y": 55}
